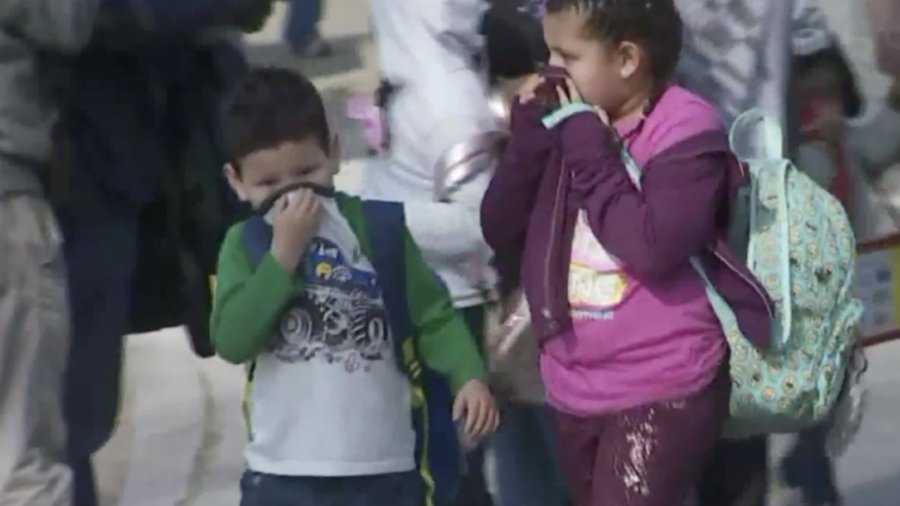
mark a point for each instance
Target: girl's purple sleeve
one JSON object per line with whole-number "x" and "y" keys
{"x": 672, "y": 218}
{"x": 510, "y": 197}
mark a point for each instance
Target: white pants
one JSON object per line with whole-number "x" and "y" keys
{"x": 34, "y": 341}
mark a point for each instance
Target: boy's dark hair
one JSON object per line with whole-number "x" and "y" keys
{"x": 514, "y": 39}
{"x": 833, "y": 57}
{"x": 271, "y": 106}
{"x": 654, "y": 24}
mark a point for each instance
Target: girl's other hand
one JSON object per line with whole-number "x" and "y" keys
{"x": 528, "y": 90}
{"x": 569, "y": 94}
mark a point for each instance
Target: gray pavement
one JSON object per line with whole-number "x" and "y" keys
{"x": 181, "y": 433}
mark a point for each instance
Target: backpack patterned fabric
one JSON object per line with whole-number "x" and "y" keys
{"x": 802, "y": 249}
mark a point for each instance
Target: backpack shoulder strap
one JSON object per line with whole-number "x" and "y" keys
{"x": 385, "y": 227}
{"x": 756, "y": 136}
{"x": 257, "y": 238}
{"x": 386, "y": 234}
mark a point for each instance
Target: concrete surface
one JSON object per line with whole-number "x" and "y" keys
{"x": 181, "y": 433}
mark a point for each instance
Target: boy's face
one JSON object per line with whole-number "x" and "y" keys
{"x": 263, "y": 173}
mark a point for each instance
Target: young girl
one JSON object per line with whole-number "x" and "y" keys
{"x": 632, "y": 355}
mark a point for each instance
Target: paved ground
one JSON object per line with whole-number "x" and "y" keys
{"x": 181, "y": 434}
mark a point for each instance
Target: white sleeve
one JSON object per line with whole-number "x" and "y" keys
{"x": 449, "y": 230}
{"x": 57, "y": 25}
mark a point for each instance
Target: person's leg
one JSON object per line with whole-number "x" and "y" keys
{"x": 101, "y": 246}
{"x": 34, "y": 340}
{"x": 809, "y": 468}
{"x": 301, "y": 30}
{"x": 258, "y": 489}
{"x": 395, "y": 489}
{"x": 736, "y": 475}
{"x": 577, "y": 444}
{"x": 654, "y": 455}
{"x": 526, "y": 467}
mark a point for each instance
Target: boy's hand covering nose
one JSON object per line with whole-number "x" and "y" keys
{"x": 295, "y": 221}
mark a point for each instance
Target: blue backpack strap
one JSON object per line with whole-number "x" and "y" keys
{"x": 257, "y": 238}
{"x": 437, "y": 448}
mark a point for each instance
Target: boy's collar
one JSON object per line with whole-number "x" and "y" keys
{"x": 322, "y": 191}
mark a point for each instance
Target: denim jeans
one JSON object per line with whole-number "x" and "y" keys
{"x": 399, "y": 489}
{"x": 527, "y": 471}
{"x": 302, "y": 22}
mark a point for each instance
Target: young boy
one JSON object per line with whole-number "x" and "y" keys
{"x": 325, "y": 317}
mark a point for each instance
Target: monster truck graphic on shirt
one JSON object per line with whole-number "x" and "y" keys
{"x": 340, "y": 316}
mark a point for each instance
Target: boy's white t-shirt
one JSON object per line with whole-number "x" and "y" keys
{"x": 328, "y": 397}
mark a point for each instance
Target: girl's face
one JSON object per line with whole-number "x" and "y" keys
{"x": 602, "y": 72}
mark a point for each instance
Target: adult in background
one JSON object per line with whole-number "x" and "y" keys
{"x": 302, "y": 29}
{"x": 437, "y": 116}
{"x": 127, "y": 123}
{"x": 34, "y": 326}
{"x": 526, "y": 469}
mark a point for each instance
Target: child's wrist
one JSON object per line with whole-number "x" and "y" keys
{"x": 286, "y": 259}
{"x": 565, "y": 112}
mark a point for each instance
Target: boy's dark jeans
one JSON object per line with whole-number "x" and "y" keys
{"x": 398, "y": 489}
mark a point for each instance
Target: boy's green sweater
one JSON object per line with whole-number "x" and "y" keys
{"x": 249, "y": 303}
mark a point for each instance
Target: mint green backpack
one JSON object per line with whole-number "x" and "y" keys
{"x": 799, "y": 244}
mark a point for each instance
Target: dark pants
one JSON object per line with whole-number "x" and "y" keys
{"x": 737, "y": 474}
{"x": 809, "y": 467}
{"x": 100, "y": 246}
{"x": 650, "y": 455}
{"x": 400, "y": 489}
{"x": 302, "y": 22}
{"x": 473, "y": 490}
{"x": 525, "y": 454}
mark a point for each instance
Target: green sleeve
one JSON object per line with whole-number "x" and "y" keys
{"x": 445, "y": 343}
{"x": 248, "y": 303}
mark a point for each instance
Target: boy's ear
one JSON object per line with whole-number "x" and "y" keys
{"x": 234, "y": 181}
{"x": 334, "y": 157}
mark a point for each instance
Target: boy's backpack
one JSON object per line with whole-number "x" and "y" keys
{"x": 437, "y": 445}
{"x": 800, "y": 245}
